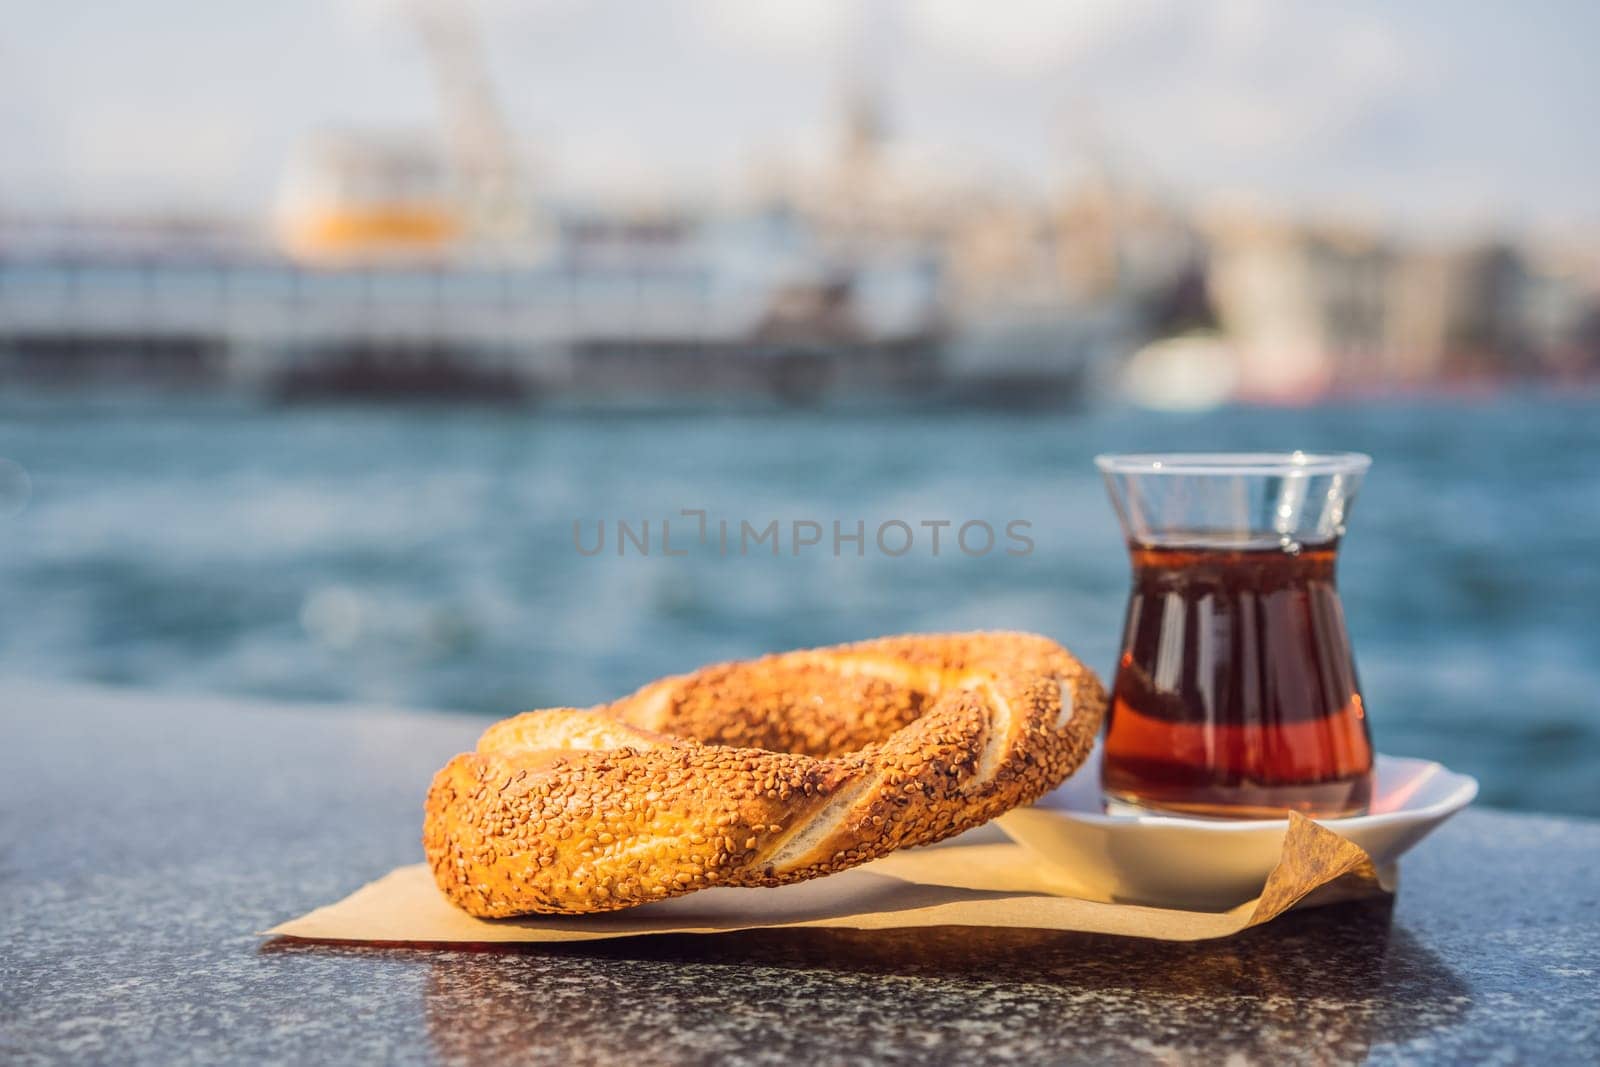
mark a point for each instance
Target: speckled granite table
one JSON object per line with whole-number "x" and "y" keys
{"x": 143, "y": 839}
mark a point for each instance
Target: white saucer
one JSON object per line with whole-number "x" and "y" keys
{"x": 1179, "y": 862}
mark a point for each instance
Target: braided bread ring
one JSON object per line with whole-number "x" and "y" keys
{"x": 758, "y": 773}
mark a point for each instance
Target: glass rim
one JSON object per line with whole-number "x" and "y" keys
{"x": 1256, "y": 464}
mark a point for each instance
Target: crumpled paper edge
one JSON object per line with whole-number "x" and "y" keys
{"x": 985, "y": 885}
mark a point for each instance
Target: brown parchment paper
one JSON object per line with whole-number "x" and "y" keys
{"x": 998, "y": 884}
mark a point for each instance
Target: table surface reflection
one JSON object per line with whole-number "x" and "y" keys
{"x": 145, "y": 838}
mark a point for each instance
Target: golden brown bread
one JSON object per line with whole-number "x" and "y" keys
{"x": 757, "y": 773}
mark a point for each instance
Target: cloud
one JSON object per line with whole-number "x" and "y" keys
{"x": 789, "y": 27}
{"x": 1241, "y": 74}
{"x": 1312, "y": 102}
{"x": 1031, "y": 36}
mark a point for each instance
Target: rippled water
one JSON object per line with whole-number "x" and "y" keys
{"x": 427, "y": 557}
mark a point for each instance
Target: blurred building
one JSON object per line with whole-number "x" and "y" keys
{"x": 1310, "y": 308}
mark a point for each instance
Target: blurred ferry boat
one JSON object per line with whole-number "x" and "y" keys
{"x": 425, "y": 267}
{"x": 612, "y": 309}
{"x": 602, "y": 309}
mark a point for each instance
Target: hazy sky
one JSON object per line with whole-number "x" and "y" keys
{"x": 1429, "y": 112}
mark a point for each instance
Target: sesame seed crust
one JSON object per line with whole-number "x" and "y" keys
{"x": 758, "y": 773}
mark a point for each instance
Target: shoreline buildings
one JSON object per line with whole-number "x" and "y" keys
{"x": 1311, "y": 309}
{"x": 863, "y": 285}
{"x": 426, "y": 267}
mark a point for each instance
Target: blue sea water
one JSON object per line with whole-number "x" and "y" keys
{"x": 427, "y": 556}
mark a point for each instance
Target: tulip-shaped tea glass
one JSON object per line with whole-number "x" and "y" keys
{"x": 1236, "y": 692}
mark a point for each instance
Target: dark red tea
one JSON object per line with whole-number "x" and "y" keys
{"x": 1236, "y": 693}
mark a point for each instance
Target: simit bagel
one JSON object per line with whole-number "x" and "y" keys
{"x": 757, "y": 773}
